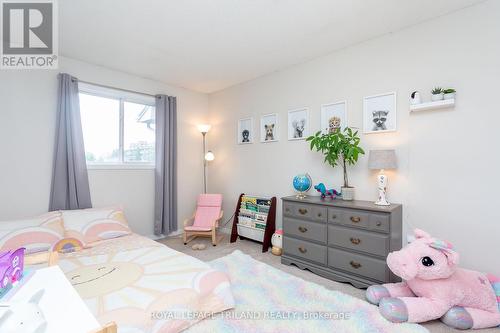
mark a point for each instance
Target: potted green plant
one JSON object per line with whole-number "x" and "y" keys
{"x": 339, "y": 148}
{"x": 449, "y": 93}
{"x": 437, "y": 94}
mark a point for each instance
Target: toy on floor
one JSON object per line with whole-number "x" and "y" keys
{"x": 321, "y": 188}
{"x": 277, "y": 241}
{"x": 11, "y": 268}
{"x": 24, "y": 317}
{"x": 199, "y": 246}
{"x": 436, "y": 288}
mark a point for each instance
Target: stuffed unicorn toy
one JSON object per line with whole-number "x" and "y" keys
{"x": 434, "y": 287}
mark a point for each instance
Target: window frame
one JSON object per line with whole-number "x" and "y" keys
{"x": 121, "y": 96}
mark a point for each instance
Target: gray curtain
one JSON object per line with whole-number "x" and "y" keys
{"x": 70, "y": 182}
{"x": 166, "y": 169}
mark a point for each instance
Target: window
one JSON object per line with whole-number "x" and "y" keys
{"x": 118, "y": 127}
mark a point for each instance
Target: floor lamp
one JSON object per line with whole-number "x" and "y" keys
{"x": 207, "y": 156}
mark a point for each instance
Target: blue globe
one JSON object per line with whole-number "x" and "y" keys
{"x": 302, "y": 183}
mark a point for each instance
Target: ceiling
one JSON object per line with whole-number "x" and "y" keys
{"x": 209, "y": 45}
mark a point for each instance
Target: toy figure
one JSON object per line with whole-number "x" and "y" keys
{"x": 321, "y": 188}
{"x": 434, "y": 287}
{"x": 11, "y": 268}
{"x": 277, "y": 241}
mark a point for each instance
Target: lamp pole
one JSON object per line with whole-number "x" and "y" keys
{"x": 204, "y": 164}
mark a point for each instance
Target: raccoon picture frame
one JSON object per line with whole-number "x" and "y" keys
{"x": 380, "y": 113}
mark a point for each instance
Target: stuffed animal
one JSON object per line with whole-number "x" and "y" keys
{"x": 24, "y": 317}
{"x": 321, "y": 188}
{"x": 434, "y": 287}
{"x": 277, "y": 241}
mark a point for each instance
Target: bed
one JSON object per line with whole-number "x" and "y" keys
{"x": 144, "y": 286}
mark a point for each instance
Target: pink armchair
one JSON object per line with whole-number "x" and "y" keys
{"x": 205, "y": 220}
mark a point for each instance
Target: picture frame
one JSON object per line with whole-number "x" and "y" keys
{"x": 334, "y": 116}
{"x": 298, "y": 124}
{"x": 269, "y": 128}
{"x": 245, "y": 133}
{"x": 380, "y": 113}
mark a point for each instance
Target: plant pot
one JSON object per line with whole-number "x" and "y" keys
{"x": 449, "y": 96}
{"x": 348, "y": 193}
{"x": 437, "y": 97}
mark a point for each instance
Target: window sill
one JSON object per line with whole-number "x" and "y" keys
{"x": 120, "y": 167}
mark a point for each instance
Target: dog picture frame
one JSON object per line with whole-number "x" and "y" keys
{"x": 380, "y": 113}
{"x": 245, "y": 131}
{"x": 334, "y": 117}
{"x": 298, "y": 124}
{"x": 269, "y": 128}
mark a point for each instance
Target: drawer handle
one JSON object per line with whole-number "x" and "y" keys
{"x": 303, "y": 211}
{"x": 355, "y": 241}
{"x": 355, "y": 265}
{"x": 355, "y": 219}
{"x": 319, "y": 215}
{"x": 334, "y": 217}
{"x": 378, "y": 223}
{"x": 302, "y": 250}
{"x": 302, "y": 229}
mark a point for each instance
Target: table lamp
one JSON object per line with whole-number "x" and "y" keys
{"x": 381, "y": 160}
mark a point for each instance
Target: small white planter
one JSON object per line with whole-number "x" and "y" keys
{"x": 437, "y": 97}
{"x": 348, "y": 193}
{"x": 449, "y": 96}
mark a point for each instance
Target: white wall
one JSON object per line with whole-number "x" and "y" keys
{"x": 27, "y": 129}
{"x": 448, "y": 176}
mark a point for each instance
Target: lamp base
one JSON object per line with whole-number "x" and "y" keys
{"x": 382, "y": 188}
{"x": 382, "y": 203}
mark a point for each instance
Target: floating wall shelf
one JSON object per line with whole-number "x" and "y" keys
{"x": 447, "y": 103}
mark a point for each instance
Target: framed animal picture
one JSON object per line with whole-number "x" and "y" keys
{"x": 245, "y": 131}
{"x": 298, "y": 124}
{"x": 269, "y": 128}
{"x": 379, "y": 113}
{"x": 333, "y": 117}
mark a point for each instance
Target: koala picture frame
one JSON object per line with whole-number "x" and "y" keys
{"x": 269, "y": 128}
{"x": 245, "y": 131}
{"x": 333, "y": 117}
{"x": 298, "y": 124}
{"x": 380, "y": 113}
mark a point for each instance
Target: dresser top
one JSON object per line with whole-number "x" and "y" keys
{"x": 355, "y": 204}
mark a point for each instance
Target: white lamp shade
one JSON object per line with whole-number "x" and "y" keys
{"x": 382, "y": 159}
{"x": 209, "y": 156}
{"x": 204, "y": 128}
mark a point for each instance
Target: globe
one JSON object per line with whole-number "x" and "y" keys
{"x": 302, "y": 183}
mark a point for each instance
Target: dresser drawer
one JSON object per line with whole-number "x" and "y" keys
{"x": 305, "y": 250}
{"x": 335, "y": 215}
{"x": 304, "y": 229}
{"x": 358, "y": 264}
{"x": 355, "y": 218}
{"x": 305, "y": 211}
{"x": 359, "y": 240}
{"x": 379, "y": 222}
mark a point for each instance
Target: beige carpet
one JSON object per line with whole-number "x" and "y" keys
{"x": 255, "y": 250}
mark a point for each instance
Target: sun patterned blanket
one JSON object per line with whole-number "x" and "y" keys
{"x": 269, "y": 300}
{"x": 144, "y": 286}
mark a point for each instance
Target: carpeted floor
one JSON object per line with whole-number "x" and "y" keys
{"x": 255, "y": 250}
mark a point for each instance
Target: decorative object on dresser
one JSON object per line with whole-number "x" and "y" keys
{"x": 255, "y": 218}
{"x": 321, "y": 188}
{"x": 346, "y": 241}
{"x": 302, "y": 183}
{"x": 339, "y": 147}
{"x": 380, "y": 160}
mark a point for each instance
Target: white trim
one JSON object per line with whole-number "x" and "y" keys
{"x": 394, "y": 95}
{"x": 87, "y": 88}
{"x": 124, "y": 166}
{"x": 306, "y": 128}
{"x": 276, "y": 130}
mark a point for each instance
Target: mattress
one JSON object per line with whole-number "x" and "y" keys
{"x": 144, "y": 286}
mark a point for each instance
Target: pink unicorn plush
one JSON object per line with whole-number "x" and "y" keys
{"x": 436, "y": 288}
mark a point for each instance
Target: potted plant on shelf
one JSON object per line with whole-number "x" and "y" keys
{"x": 449, "y": 93}
{"x": 339, "y": 148}
{"x": 437, "y": 94}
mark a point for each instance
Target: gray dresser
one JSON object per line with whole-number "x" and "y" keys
{"x": 346, "y": 241}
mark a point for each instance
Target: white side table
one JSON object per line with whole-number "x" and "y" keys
{"x": 63, "y": 308}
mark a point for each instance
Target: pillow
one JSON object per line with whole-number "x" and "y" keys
{"x": 95, "y": 224}
{"x": 36, "y": 234}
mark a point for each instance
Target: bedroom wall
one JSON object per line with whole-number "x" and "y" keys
{"x": 448, "y": 175}
{"x": 27, "y": 130}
